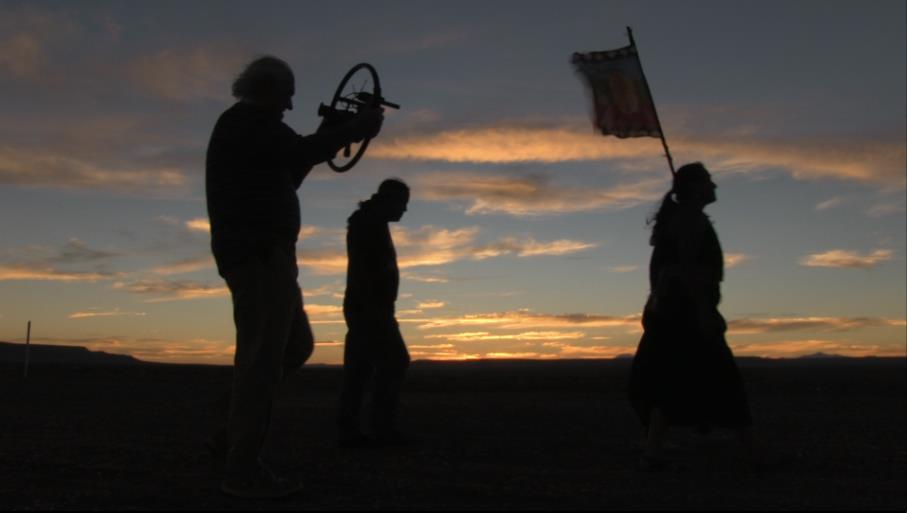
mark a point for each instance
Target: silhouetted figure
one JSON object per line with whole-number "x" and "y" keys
{"x": 683, "y": 373}
{"x": 374, "y": 346}
{"x": 254, "y": 165}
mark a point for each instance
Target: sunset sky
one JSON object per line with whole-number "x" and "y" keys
{"x": 526, "y": 235}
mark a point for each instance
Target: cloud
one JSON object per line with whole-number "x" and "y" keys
{"x": 886, "y": 209}
{"x": 43, "y": 263}
{"x": 41, "y": 273}
{"x": 187, "y": 74}
{"x": 97, "y": 312}
{"x": 624, "y": 268}
{"x": 572, "y": 351}
{"x": 845, "y": 258}
{"x": 822, "y": 324}
{"x": 484, "y": 336}
{"x": 424, "y": 278}
{"x": 431, "y": 304}
{"x": 854, "y": 159}
{"x": 73, "y": 251}
{"x": 27, "y": 36}
{"x": 529, "y": 320}
{"x": 734, "y": 259}
{"x": 510, "y": 143}
{"x": 334, "y": 290}
{"x": 504, "y": 355}
{"x": 794, "y": 348}
{"x": 431, "y": 246}
{"x": 185, "y": 266}
{"x": 316, "y": 311}
{"x": 166, "y": 290}
{"x": 192, "y": 350}
{"x": 58, "y": 170}
{"x": 443, "y": 355}
{"x": 874, "y": 161}
{"x": 530, "y": 195}
{"x": 199, "y": 224}
{"x": 830, "y": 203}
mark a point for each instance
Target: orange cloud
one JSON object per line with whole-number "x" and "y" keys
{"x": 194, "y": 350}
{"x": 571, "y": 351}
{"x": 734, "y": 259}
{"x": 528, "y": 320}
{"x": 431, "y": 304}
{"x": 185, "y": 266}
{"x": 173, "y": 290}
{"x": 41, "y": 273}
{"x": 531, "y": 195}
{"x": 794, "y": 348}
{"x": 431, "y": 246}
{"x": 844, "y": 258}
{"x": 507, "y": 144}
{"x": 423, "y": 278}
{"x": 47, "y": 168}
{"x": 199, "y": 224}
{"x": 881, "y": 162}
{"x": 778, "y": 324}
{"x": 484, "y": 336}
{"x": 99, "y": 313}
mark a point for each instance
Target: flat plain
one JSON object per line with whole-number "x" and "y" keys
{"x": 485, "y": 435}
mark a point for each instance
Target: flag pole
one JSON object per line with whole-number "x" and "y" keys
{"x": 645, "y": 82}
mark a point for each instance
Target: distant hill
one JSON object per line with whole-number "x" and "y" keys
{"x": 821, "y": 355}
{"x": 43, "y": 353}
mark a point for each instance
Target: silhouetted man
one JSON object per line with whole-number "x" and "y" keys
{"x": 374, "y": 345}
{"x": 254, "y": 165}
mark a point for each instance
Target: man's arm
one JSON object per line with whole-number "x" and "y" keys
{"x": 311, "y": 150}
{"x": 330, "y": 138}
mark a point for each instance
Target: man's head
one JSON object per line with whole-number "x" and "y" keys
{"x": 266, "y": 81}
{"x": 392, "y": 198}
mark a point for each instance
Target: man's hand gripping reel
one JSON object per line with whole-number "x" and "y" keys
{"x": 351, "y": 96}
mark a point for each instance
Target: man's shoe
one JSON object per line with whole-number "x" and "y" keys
{"x": 262, "y": 484}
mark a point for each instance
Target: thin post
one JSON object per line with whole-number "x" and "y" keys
{"x": 645, "y": 82}
{"x": 27, "y": 348}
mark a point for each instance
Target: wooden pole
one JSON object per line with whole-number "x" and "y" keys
{"x": 27, "y": 348}
{"x": 645, "y": 82}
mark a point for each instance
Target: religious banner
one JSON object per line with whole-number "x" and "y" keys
{"x": 622, "y": 103}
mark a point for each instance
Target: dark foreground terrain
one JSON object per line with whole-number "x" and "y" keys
{"x": 492, "y": 435}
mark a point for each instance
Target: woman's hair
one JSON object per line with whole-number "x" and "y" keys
{"x": 265, "y": 77}
{"x": 686, "y": 177}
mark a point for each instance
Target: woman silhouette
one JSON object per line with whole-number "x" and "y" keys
{"x": 683, "y": 373}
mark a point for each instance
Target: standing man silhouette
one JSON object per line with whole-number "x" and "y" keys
{"x": 255, "y": 163}
{"x": 374, "y": 345}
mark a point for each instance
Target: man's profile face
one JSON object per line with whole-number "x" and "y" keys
{"x": 282, "y": 98}
{"x": 397, "y": 206}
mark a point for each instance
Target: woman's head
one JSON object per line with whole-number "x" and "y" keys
{"x": 693, "y": 185}
{"x": 692, "y": 189}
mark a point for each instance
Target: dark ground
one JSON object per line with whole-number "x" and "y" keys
{"x": 494, "y": 435}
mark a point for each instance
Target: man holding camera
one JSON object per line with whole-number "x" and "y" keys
{"x": 255, "y": 163}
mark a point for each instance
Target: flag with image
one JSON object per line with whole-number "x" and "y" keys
{"x": 622, "y": 104}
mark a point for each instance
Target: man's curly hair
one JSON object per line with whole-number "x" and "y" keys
{"x": 265, "y": 77}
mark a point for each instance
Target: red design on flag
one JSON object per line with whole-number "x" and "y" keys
{"x": 622, "y": 102}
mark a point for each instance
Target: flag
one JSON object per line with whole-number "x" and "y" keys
{"x": 622, "y": 103}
